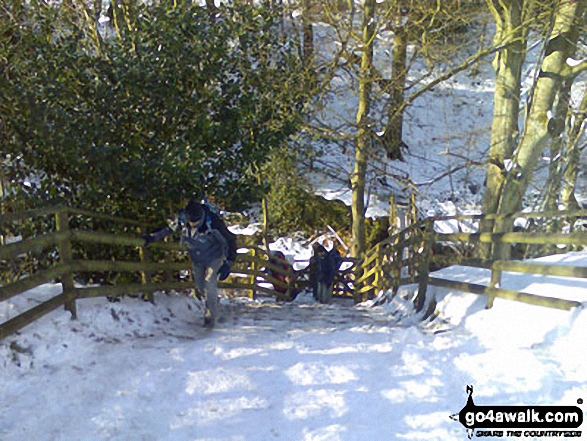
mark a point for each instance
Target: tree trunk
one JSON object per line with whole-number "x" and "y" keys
{"x": 507, "y": 64}
{"x": 536, "y": 133}
{"x": 393, "y": 135}
{"x": 572, "y": 158}
{"x": 555, "y": 168}
{"x": 3, "y": 193}
{"x": 308, "y": 35}
{"x": 363, "y": 135}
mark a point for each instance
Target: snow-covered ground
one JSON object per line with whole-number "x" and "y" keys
{"x": 299, "y": 371}
{"x": 132, "y": 371}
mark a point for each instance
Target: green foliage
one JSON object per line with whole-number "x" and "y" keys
{"x": 376, "y": 230}
{"x": 291, "y": 205}
{"x": 135, "y": 123}
{"x": 286, "y": 193}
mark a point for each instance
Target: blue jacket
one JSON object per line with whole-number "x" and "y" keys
{"x": 211, "y": 221}
{"x": 325, "y": 269}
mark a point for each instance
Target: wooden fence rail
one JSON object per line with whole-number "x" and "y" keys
{"x": 250, "y": 269}
{"x": 407, "y": 257}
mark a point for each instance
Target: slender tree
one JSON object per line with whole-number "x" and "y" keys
{"x": 571, "y": 158}
{"x": 363, "y": 135}
{"x": 540, "y": 126}
{"x": 393, "y": 134}
{"x": 427, "y": 27}
{"x": 307, "y": 34}
{"x": 511, "y": 34}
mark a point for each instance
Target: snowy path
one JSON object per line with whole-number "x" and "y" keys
{"x": 133, "y": 371}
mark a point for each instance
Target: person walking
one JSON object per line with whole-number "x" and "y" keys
{"x": 211, "y": 246}
{"x": 325, "y": 271}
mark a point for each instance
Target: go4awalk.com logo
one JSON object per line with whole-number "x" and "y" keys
{"x": 520, "y": 421}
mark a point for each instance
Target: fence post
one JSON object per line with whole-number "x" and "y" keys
{"x": 413, "y": 257}
{"x": 65, "y": 256}
{"x": 423, "y": 264}
{"x": 377, "y": 265}
{"x": 253, "y": 272}
{"x": 396, "y": 265}
{"x": 501, "y": 251}
{"x": 393, "y": 221}
{"x": 495, "y": 282}
{"x": 145, "y": 275}
{"x": 359, "y": 270}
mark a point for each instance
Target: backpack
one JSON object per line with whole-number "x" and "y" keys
{"x": 206, "y": 247}
{"x": 212, "y": 207}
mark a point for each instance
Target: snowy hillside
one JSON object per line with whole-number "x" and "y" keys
{"x": 447, "y": 130}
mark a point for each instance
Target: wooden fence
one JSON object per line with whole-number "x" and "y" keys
{"x": 63, "y": 248}
{"x": 409, "y": 256}
{"x": 72, "y": 245}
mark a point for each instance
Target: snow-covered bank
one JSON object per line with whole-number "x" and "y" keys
{"x": 301, "y": 371}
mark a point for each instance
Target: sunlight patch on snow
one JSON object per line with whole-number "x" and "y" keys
{"x": 412, "y": 364}
{"x": 232, "y": 438}
{"x": 175, "y": 354}
{"x": 444, "y": 343}
{"x": 308, "y": 374}
{"x": 426, "y": 421}
{"x": 351, "y": 349}
{"x": 573, "y": 63}
{"x": 213, "y": 411}
{"x": 236, "y": 353}
{"x": 513, "y": 325}
{"x": 6, "y": 311}
{"x": 216, "y": 381}
{"x": 252, "y": 351}
{"x": 328, "y": 433}
{"x": 110, "y": 421}
{"x": 369, "y": 329}
{"x": 508, "y": 370}
{"x": 313, "y": 403}
{"x": 433, "y": 435}
{"x": 423, "y": 391}
{"x": 249, "y": 230}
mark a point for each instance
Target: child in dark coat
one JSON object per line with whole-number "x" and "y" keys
{"x": 325, "y": 271}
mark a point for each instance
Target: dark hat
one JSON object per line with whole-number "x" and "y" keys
{"x": 194, "y": 211}
{"x": 320, "y": 249}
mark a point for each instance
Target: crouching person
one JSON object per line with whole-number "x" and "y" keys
{"x": 211, "y": 246}
{"x": 286, "y": 276}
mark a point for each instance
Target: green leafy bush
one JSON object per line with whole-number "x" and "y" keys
{"x": 134, "y": 123}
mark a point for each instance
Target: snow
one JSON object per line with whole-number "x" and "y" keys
{"x": 294, "y": 371}
{"x": 303, "y": 371}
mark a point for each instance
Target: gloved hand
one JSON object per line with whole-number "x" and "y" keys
{"x": 224, "y": 270}
{"x": 148, "y": 238}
